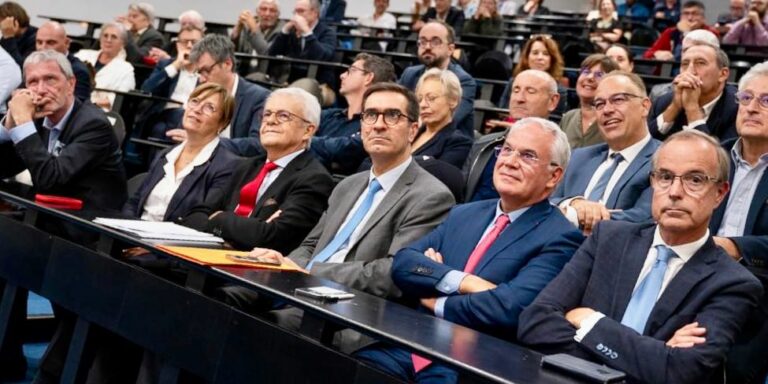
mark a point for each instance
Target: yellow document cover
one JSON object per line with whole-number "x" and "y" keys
{"x": 217, "y": 257}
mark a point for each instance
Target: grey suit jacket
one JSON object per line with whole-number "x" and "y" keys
{"x": 416, "y": 204}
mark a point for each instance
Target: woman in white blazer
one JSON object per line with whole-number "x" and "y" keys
{"x": 112, "y": 71}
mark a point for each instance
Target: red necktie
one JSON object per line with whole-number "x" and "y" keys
{"x": 502, "y": 221}
{"x": 249, "y": 191}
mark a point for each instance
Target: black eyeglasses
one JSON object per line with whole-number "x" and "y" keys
{"x": 352, "y": 69}
{"x": 745, "y": 98}
{"x": 391, "y": 116}
{"x": 282, "y": 116}
{"x": 617, "y": 100}
{"x": 433, "y": 42}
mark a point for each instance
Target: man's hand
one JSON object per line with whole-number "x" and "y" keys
{"x": 9, "y": 27}
{"x": 182, "y": 56}
{"x": 589, "y": 213}
{"x": 688, "y": 336}
{"x": 754, "y": 18}
{"x": 275, "y": 256}
{"x": 301, "y": 25}
{"x": 684, "y": 26}
{"x": 493, "y": 124}
{"x": 474, "y": 284}
{"x": 21, "y": 108}
{"x": 159, "y": 54}
{"x": 178, "y": 134}
{"x": 103, "y": 102}
{"x": 577, "y": 315}
{"x": 248, "y": 21}
{"x": 429, "y": 303}
{"x": 663, "y": 55}
{"x": 728, "y": 246}
{"x": 434, "y": 255}
{"x": 274, "y": 216}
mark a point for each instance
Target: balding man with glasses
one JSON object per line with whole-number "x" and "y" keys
{"x": 610, "y": 181}
{"x": 659, "y": 301}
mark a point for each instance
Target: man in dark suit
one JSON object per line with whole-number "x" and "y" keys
{"x": 332, "y": 11}
{"x": 610, "y": 181}
{"x": 660, "y": 302}
{"x": 442, "y": 11}
{"x": 700, "y": 98}
{"x": 142, "y": 36}
{"x": 305, "y": 37}
{"x": 488, "y": 260}
{"x": 436, "y": 45}
{"x": 273, "y": 202}
{"x": 214, "y": 58}
{"x": 51, "y": 35}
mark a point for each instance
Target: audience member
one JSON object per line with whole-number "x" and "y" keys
{"x": 52, "y": 35}
{"x": 634, "y": 10}
{"x": 214, "y": 58}
{"x": 142, "y": 36}
{"x": 486, "y": 21}
{"x": 254, "y": 34}
{"x": 272, "y": 202}
{"x": 751, "y": 30}
{"x": 187, "y": 19}
{"x": 610, "y": 181}
{"x": 337, "y": 143}
{"x": 187, "y": 174}
{"x": 18, "y": 36}
{"x": 306, "y": 37}
{"x": 112, "y": 71}
{"x": 436, "y": 44}
{"x": 621, "y": 54}
{"x": 10, "y": 79}
{"x": 737, "y": 11}
{"x": 700, "y": 99}
{"x": 444, "y": 12}
{"x": 606, "y": 29}
{"x": 580, "y": 124}
{"x": 666, "y": 13}
{"x": 486, "y": 288}
{"x": 669, "y": 44}
{"x": 418, "y": 9}
{"x": 534, "y": 94}
{"x": 380, "y": 23}
{"x": 469, "y": 7}
{"x": 532, "y": 8}
{"x": 508, "y": 7}
{"x": 697, "y": 37}
{"x": 332, "y": 11}
{"x": 658, "y": 301}
{"x": 174, "y": 78}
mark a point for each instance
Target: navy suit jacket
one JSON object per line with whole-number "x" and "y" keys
{"x": 207, "y": 179}
{"x": 632, "y": 193}
{"x": 319, "y": 46}
{"x": 710, "y": 288}
{"x": 246, "y": 121}
{"x": 529, "y": 253}
{"x": 721, "y": 122}
{"x": 335, "y": 12}
{"x": 83, "y": 78}
{"x": 463, "y": 117}
{"x": 158, "y": 84}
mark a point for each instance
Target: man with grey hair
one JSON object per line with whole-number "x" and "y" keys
{"x": 660, "y": 300}
{"x": 254, "y": 34}
{"x": 273, "y": 202}
{"x": 142, "y": 34}
{"x": 609, "y": 181}
{"x": 477, "y": 269}
{"x": 214, "y": 58}
{"x": 697, "y": 37}
{"x": 52, "y": 35}
{"x": 753, "y": 28}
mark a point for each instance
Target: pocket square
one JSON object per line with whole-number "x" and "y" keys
{"x": 269, "y": 202}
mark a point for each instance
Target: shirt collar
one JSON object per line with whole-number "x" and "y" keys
{"x": 389, "y": 178}
{"x": 283, "y": 161}
{"x": 513, "y": 215}
{"x": 738, "y": 160}
{"x": 141, "y": 31}
{"x": 201, "y": 157}
{"x": 629, "y": 153}
{"x": 234, "y": 85}
{"x": 708, "y": 107}
{"x": 684, "y": 251}
{"x": 60, "y": 125}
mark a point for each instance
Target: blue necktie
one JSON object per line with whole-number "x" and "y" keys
{"x": 645, "y": 295}
{"x": 343, "y": 235}
{"x": 599, "y": 190}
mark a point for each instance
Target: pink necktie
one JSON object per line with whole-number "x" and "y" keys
{"x": 502, "y": 221}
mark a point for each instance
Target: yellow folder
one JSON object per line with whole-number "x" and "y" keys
{"x": 218, "y": 257}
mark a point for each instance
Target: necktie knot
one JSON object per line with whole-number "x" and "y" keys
{"x": 663, "y": 254}
{"x": 617, "y": 157}
{"x": 269, "y": 166}
{"x": 374, "y": 186}
{"x": 502, "y": 220}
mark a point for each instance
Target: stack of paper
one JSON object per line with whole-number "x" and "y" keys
{"x": 152, "y": 230}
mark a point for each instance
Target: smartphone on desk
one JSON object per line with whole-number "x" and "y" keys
{"x": 255, "y": 260}
{"x": 323, "y": 293}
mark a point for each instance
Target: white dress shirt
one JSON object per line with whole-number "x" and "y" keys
{"x": 664, "y": 126}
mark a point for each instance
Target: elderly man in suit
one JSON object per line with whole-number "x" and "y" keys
{"x": 610, "y": 181}
{"x": 659, "y": 301}
{"x": 52, "y": 35}
{"x": 143, "y": 36}
{"x": 436, "y": 45}
{"x": 700, "y": 98}
{"x": 214, "y": 58}
{"x": 443, "y": 11}
{"x": 488, "y": 260}
{"x": 273, "y": 202}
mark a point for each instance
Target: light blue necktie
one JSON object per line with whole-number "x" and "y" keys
{"x": 343, "y": 235}
{"x": 645, "y": 295}
{"x": 599, "y": 190}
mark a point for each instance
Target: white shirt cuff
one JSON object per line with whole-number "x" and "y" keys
{"x": 440, "y": 306}
{"x": 570, "y": 212}
{"x": 450, "y": 282}
{"x": 695, "y": 124}
{"x": 171, "y": 71}
{"x": 663, "y": 125}
{"x": 586, "y": 325}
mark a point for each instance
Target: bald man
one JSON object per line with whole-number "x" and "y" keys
{"x": 51, "y": 35}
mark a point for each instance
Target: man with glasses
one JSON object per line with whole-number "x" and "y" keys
{"x": 338, "y": 144}
{"x": 52, "y": 35}
{"x": 659, "y": 301}
{"x": 372, "y": 214}
{"x": 254, "y": 34}
{"x": 272, "y": 202}
{"x": 436, "y": 45}
{"x": 668, "y": 46}
{"x": 610, "y": 181}
{"x": 488, "y": 260}
{"x": 214, "y": 59}
{"x": 700, "y": 98}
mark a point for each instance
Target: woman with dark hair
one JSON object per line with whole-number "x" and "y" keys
{"x": 532, "y": 8}
{"x": 621, "y": 54}
{"x": 486, "y": 20}
{"x": 183, "y": 177}
{"x": 580, "y": 124}
{"x": 605, "y": 29}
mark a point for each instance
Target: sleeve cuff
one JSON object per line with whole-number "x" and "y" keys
{"x": 663, "y": 125}
{"x": 171, "y": 71}
{"x": 440, "y": 306}
{"x": 450, "y": 282}
{"x": 695, "y": 124}
{"x": 22, "y": 132}
{"x": 586, "y": 325}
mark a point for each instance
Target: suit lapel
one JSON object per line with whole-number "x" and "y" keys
{"x": 391, "y": 198}
{"x": 717, "y": 216}
{"x": 589, "y": 168}
{"x": 239, "y": 100}
{"x": 471, "y": 234}
{"x": 632, "y": 259}
{"x": 635, "y": 166}
{"x": 279, "y": 184}
{"x": 346, "y": 202}
{"x": 758, "y": 200}
{"x": 156, "y": 174}
{"x": 186, "y": 185}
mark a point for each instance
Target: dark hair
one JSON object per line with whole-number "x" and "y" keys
{"x": 382, "y": 70}
{"x": 219, "y": 47}
{"x": 557, "y": 64}
{"x": 13, "y": 9}
{"x": 606, "y": 63}
{"x": 694, "y": 4}
{"x": 412, "y": 110}
{"x": 451, "y": 37}
{"x": 227, "y": 101}
{"x": 630, "y": 56}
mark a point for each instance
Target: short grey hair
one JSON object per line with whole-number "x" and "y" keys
{"x": 701, "y": 37}
{"x": 313, "y": 4}
{"x": 195, "y": 18}
{"x": 723, "y": 164}
{"x": 449, "y": 81}
{"x": 220, "y": 48}
{"x": 38, "y": 57}
{"x": 551, "y": 82}
{"x": 756, "y": 71}
{"x": 122, "y": 33}
{"x": 560, "y": 151}
{"x": 146, "y": 8}
{"x": 310, "y": 105}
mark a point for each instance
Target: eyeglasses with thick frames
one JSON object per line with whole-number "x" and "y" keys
{"x": 434, "y": 42}
{"x": 617, "y": 100}
{"x": 205, "y": 71}
{"x": 391, "y": 116}
{"x": 527, "y": 156}
{"x": 745, "y": 98}
{"x": 282, "y": 116}
{"x": 207, "y": 108}
{"x": 693, "y": 183}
